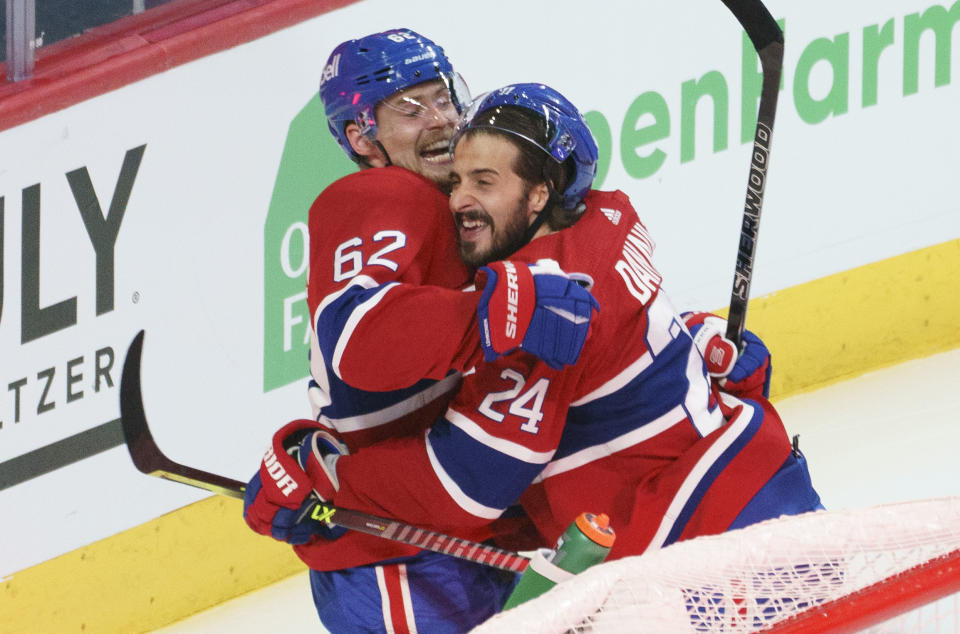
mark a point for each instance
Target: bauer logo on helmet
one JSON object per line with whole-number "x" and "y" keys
{"x": 429, "y": 54}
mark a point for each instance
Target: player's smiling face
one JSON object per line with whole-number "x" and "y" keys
{"x": 492, "y": 206}
{"x": 415, "y": 125}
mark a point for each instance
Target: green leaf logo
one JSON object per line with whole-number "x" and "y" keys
{"x": 311, "y": 160}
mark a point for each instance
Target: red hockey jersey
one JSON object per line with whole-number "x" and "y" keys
{"x": 386, "y": 313}
{"x": 630, "y": 430}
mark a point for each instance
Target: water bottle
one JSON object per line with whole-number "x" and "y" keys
{"x": 586, "y": 542}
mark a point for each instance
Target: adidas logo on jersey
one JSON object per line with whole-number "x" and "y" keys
{"x": 613, "y": 215}
{"x": 331, "y": 70}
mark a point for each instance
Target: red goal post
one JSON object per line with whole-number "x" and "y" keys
{"x": 887, "y": 600}
{"x": 829, "y": 571}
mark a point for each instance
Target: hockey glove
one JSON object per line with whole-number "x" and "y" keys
{"x": 746, "y": 374}
{"x": 536, "y": 307}
{"x": 278, "y": 495}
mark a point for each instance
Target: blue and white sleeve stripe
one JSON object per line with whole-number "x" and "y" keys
{"x": 482, "y": 473}
{"x": 338, "y": 315}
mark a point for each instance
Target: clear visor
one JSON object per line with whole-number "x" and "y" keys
{"x": 443, "y": 98}
{"x": 555, "y": 143}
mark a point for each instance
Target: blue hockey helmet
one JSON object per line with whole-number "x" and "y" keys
{"x": 567, "y": 133}
{"x": 361, "y": 73}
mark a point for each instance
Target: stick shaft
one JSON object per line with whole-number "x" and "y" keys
{"x": 767, "y": 39}
{"x": 148, "y": 458}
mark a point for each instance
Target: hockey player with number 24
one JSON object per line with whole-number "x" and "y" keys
{"x": 635, "y": 429}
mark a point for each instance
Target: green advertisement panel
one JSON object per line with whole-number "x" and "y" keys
{"x": 311, "y": 160}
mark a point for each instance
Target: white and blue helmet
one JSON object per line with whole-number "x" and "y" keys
{"x": 363, "y": 72}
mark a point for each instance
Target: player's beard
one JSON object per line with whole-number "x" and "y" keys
{"x": 506, "y": 240}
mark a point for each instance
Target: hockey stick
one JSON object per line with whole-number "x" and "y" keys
{"x": 767, "y": 39}
{"x": 148, "y": 458}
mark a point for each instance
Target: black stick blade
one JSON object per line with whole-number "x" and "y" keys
{"x": 144, "y": 452}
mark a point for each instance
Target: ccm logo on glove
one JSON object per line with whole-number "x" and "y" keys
{"x": 718, "y": 351}
{"x": 744, "y": 373}
{"x": 285, "y": 483}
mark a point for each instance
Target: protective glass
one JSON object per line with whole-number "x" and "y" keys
{"x": 446, "y": 102}
{"x": 555, "y": 141}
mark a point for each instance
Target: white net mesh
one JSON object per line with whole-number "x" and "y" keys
{"x": 752, "y": 578}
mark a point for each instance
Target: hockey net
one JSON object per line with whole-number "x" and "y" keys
{"x": 890, "y": 568}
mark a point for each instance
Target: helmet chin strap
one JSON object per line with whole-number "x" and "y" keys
{"x": 535, "y": 225}
{"x": 384, "y": 150}
{"x": 552, "y": 197}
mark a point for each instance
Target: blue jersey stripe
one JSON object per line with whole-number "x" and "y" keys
{"x": 645, "y": 398}
{"x": 337, "y": 314}
{"x": 485, "y": 475}
{"x": 349, "y": 408}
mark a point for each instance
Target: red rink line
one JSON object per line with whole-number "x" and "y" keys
{"x": 119, "y": 53}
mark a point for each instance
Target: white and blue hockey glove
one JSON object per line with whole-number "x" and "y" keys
{"x": 536, "y": 307}
{"x": 746, "y": 374}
